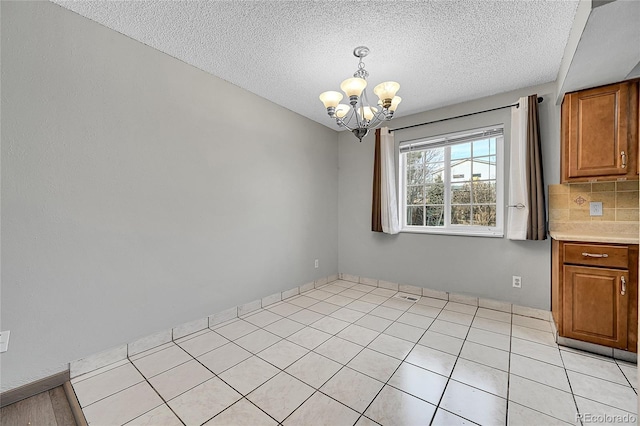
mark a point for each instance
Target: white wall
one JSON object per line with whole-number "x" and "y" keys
{"x": 472, "y": 265}
{"x": 139, "y": 193}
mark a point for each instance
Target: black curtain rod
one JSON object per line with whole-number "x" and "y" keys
{"x": 517, "y": 105}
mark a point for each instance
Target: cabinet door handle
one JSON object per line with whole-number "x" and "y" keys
{"x": 624, "y": 159}
{"x": 585, "y": 254}
{"x": 623, "y": 290}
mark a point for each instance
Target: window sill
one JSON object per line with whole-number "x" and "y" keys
{"x": 455, "y": 232}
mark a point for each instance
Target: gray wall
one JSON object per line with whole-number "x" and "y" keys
{"x": 139, "y": 193}
{"x": 476, "y": 266}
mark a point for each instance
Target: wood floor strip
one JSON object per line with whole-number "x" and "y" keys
{"x": 74, "y": 405}
{"x": 61, "y": 407}
{"x": 36, "y": 410}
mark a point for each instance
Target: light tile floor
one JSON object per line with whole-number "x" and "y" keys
{"x": 351, "y": 354}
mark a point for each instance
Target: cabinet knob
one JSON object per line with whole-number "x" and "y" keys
{"x": 623, "y": 282}
{"x": 623, "y": 155}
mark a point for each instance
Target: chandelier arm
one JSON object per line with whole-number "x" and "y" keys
{"x": 346, "y": 126}
{"x": 360, "y": 114}
{"x": 375, "y": 122}
{"x": 346, "y": 120}
{"x": 380, "y": 116}
{"x": 381, "y": 108}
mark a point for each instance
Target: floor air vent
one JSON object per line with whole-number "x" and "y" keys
{"x": 407, "y": 297}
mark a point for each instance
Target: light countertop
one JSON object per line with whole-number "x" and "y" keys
{"x": 597, "y": 232}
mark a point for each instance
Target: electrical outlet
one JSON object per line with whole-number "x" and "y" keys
{"x": 316, "y": 264}
{"x": 595, "y": 208}
{"x": 4, "y": 340}
{"x": 517, "y": 281}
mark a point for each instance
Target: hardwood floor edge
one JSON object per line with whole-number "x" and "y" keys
{"x": 61, "y": 407}
{"x": 33, "y": 388}
{"x": 76, "y": 410}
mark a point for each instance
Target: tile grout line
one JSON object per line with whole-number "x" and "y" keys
{"x": 106, "y": 369}
{"x": 281, "y": 370}
{"x": 309, "y": 350}
{"x": 545, "y": 384}
{"x": 625, "y": 376}
{"x": 443, "y": 310}
{"x": 360, "y": 351}
{"x": 573, "y": 395}
{"x": 242, "y": 398}
{"x": 506, "y": 420}
{"x": 317, "y": 390}
{"x": 313, "y": 350}
{"x": 444, "y": 390}
{"x": 109, "y": 395}
{"x": 599, "y": 378}
{"x": 608, "y": 405}
{"x": 394, "y": 372}
{"x": 158, "y": 393}
{"x": 193, "y": 358}
{"x": 145, "y": 379}
{"x": 222, "y": 380}
{"x": 459, "y": 356}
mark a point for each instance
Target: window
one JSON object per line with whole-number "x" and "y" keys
{"x": 453, "y": 184}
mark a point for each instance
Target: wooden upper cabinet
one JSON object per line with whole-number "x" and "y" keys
{"x": 600, "y": 133}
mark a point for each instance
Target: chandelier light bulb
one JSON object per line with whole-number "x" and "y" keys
{"x": 386, "y": 91}
{"x": 331, "y": 99}
{"x": 394, "y": 103}
{"x": 368, "y": 112}
{"x": 353, "y": 86}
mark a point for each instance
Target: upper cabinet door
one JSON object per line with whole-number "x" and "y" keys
{"x": 599, "y": 133}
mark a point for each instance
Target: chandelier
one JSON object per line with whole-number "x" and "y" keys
{"x": 359, "y": 116}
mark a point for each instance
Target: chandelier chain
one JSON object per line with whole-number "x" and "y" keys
{"x": 361, "y": 72}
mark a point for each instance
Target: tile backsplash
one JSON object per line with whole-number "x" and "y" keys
{"x": 570, "y": 202}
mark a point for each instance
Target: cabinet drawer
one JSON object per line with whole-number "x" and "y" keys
{"x": 597, "y": 255}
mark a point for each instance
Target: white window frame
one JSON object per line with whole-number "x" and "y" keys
{"x": 448, "y": 229}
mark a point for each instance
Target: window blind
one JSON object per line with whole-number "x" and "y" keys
{"x": 450, "y": 140}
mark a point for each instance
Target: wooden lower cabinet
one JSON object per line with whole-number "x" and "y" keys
{"x": 595, "y": 305}
{"x": 595, "y": 293}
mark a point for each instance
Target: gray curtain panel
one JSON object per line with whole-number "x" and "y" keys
{"x": 537, "y": 221}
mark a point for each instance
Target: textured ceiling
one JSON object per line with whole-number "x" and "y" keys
{"x": 441, "y": 52}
